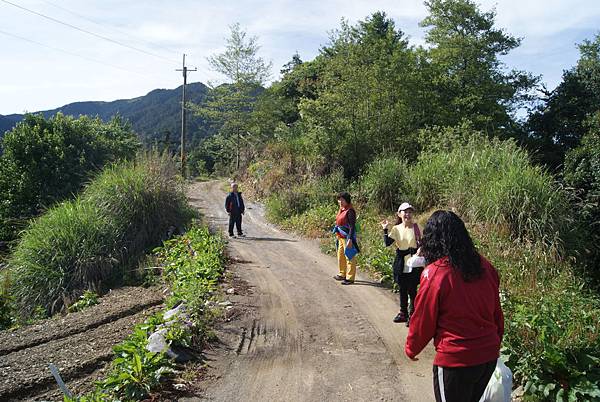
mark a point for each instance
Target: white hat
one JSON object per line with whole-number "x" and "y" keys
{"x": 404, "y": 206}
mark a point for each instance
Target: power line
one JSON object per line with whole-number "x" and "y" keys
{"x": 69, "y": 52}
{"x": 88, "y": 32}
{"x": 147, "y": 43}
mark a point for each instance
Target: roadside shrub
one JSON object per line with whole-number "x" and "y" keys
{"x": 44, "y": 161}
{"x": 90, "y": 242}
{"x": 192, "y": 265}
{"x": 552, "y": 342}
{"x": 552, "y": 333}
{"x": 135, "y": 371}
{"x": 282, "y": 206}
{"x": 323, "y": 191}
{"x": 315, "y": 222}
{"x": 384, "y": 183}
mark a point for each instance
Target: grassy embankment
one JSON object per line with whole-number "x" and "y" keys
{"x": 101, "y": 239}
{"x": 95, "y": 241}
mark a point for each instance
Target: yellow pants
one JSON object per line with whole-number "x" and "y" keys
{"x": 347, "y": 267}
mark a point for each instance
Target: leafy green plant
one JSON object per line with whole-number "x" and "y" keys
{"x": 87, "y": 299}
{"x": 135, "y": 370}
{"x": 192, "y": 265}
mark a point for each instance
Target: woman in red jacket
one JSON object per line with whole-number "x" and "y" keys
{"x": 458, "y": 305}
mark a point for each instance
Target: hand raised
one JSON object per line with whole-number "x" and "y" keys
{"x": 384, "y": 224}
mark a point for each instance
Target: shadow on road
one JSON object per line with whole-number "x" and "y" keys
{"x": 266, "y": 239}
{"x": 367, "y": 283}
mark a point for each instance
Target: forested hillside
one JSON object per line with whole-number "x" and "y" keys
{"x": 155, "y": 117}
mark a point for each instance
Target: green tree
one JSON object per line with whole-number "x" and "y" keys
{"x": 367, "y": 95}
{"x": 230, "y": 105}
{"x": 44, "y": 161}
{"x": 582, "y": 175}
{"x": 462, "y": 71}
{"x": 559, "y": 122}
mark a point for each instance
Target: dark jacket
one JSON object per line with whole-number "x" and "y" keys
{"x": 231, "y": 203}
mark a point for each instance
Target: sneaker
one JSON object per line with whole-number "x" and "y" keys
{"x": 347, "y": 282}
{"x": 232, "y": 235}
{"x": 401, "y": 317}
{"x": 241, "y": 235}
{"x": 339, "y": 278}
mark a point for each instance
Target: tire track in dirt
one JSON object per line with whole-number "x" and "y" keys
{"x": 314, "y": 339}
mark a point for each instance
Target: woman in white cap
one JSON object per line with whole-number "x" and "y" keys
{"x": 406, "y": 237}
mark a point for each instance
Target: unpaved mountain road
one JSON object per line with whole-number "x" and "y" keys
{"x": 298, "y": 335}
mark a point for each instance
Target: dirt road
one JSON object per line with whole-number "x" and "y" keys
{"x": 299, "y": 335}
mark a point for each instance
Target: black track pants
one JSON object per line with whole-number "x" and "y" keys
{"x": 461, "y": 384}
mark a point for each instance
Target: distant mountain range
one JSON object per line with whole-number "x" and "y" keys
{"x": 155, "y": 117}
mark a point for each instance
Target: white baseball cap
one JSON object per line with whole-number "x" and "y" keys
{"x": 404, "y": 206}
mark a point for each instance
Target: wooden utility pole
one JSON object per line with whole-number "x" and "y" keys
{"x": 184, "y": 70}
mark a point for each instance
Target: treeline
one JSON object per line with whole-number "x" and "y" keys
{"x": 370, "y": 94}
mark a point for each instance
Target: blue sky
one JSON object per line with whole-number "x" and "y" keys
{"x": 33, "y": 77}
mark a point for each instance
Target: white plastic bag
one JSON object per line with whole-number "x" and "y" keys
{"x": 500, "y": 386}
{"x": 415, "y": 261}
{"x": 157, "y": 342}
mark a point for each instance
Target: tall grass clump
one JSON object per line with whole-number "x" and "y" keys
{"x": 383, "y": 183}
{"x": 317, "y": 195}
{"x": 493, "y": 181}
{"x": 92, "y": 241}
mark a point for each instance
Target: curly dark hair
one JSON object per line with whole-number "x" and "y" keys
{"x": 445, "y": 235}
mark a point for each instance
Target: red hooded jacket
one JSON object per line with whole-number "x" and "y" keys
{"x": 464, "y": 319}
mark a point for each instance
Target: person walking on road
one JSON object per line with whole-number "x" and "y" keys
{"x": 346, "y": 244}
{"x": 234, "y": 205}
{"x": 458, "y": 305}
{"x": 406, "y": 237}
